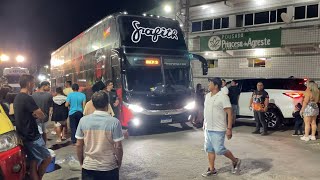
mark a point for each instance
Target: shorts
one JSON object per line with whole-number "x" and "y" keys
{"x": 60, "y": 123}
{"x": 36, "y": 150}
{"x": 42, "y": 127}
{"x": 312, "y": 109}
{"x": 214, "y": 142}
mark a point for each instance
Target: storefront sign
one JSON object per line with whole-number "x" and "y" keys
{"x": 243, "y": 40}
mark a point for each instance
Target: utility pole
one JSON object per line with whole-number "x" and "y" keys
{"x": 184, "y": 17}
{"x": 186, "y": 22}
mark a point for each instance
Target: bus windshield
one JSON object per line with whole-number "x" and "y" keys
{"x": 12, "y": 79}
{"x": 145, "y": 74}
{"x": 144, "y": 78}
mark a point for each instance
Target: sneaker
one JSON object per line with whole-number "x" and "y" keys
{"x": 210, "y": 173}
{"x": 304, "y": 138}
{"x": 255, "y": 132}
{"x": 301, "y": 134}
{"x": 236, "y": 167}
{"x": 53, "y": 132}
{"x": 313, "y": 138}
{"x": 295, "y": 134}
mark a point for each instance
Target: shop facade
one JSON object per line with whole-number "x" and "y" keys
{"x": 273, "y": 40}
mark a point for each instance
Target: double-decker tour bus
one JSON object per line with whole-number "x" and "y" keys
{"x": 145, "y": 57}
{"x": 12, "y": 76}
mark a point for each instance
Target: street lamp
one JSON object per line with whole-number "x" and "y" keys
{"x": 46, "y": 66}
{"x": 4, "y": 57}
{"x": 20, "y": 59}
{"x": 41, "y": 77}
{"x": 167, "y": 8}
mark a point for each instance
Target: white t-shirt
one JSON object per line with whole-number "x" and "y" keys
{"x": 225, "y": 90}
{"x": 214, "y": 114}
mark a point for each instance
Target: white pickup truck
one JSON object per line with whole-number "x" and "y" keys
{"x": 284, "y": 95}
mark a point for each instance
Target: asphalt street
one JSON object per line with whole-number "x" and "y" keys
{"x": 173, "y": 152}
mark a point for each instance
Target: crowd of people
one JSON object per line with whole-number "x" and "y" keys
{"x": 97, "y": 132}
{"x": 306, "y": 113}
{"x": 93, "y": 123}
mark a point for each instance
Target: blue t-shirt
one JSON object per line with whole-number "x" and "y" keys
{"x": 76, "y": 99}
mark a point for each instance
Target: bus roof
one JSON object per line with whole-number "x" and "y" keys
{"x": 94, "y": 37}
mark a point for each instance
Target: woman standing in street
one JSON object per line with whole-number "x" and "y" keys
{"x": 310, "y": 110}
{"x": 60, "y": 114}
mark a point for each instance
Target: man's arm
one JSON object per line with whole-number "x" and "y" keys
{"x": 84, "y": 101}
{"x": 116, "y": 103}
{"x": 238, "y": 96}
{"x": 85, "y": 110}
{"x": 80, "y": 142}
{"x": 39, "y": 114}
{"x": 230, "y": 122}
{"x": 251, "y": 101}
{"x": 50, "y": 112}
{"x": 117, "y": 137}
{"x": 83, "y": 104}
{"x": 67, "y": 104}
{"x": 119, "y": 152}
{"x": 50, "y": 105}
{"x": 79, "y": 145}
{"x": 266, "y": 102}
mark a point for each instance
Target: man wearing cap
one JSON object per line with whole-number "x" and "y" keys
{"x": 44, "y": 101}
{"x": 216, "y": 106}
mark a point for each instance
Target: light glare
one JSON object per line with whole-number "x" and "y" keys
{"x": 4, "y": 57}
{"x": 20, "y": 58}
{"x": 167, "y": 8}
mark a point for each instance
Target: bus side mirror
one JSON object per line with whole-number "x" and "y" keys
{"x": 204, "y": 63}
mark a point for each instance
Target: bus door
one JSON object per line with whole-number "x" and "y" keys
{"x": 115, "y": 70}
{"x": 116, "y": 78}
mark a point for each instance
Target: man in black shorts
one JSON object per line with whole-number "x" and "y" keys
{"x": 26, "y": 112}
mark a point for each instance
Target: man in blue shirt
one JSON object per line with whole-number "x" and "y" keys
{"x": 76, "y": 101}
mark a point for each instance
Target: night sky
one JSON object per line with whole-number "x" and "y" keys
{"x": 36, "y": 28}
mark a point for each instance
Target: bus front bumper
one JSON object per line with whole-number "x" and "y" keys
{"x": 156, "y": 118}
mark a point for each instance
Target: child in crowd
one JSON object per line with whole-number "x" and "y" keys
{"x": 298, "y": 121}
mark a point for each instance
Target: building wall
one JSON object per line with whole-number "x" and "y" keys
{"x": 282, "y": 67}
{"x": 298, "y": 56}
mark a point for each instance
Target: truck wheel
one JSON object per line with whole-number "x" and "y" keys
{"x": 273, "y": 118}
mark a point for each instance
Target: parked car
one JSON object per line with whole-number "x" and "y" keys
{"x": 284, "y": 94}
{"x": 12, "y": 156}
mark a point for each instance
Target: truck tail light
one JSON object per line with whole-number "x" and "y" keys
{"x": 294, "y": 94}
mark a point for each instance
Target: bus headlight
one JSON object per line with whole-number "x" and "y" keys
{"x": 135, "y": 108}
{"x": 190, "y": 105}
{"x": 8, "y": 141}
{"x": 136, "y": 122}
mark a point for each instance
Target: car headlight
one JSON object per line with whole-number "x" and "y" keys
{"x": 8, "y": 141}
{"x": 190, "y": 105}
{"x": 135, "y": 108}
